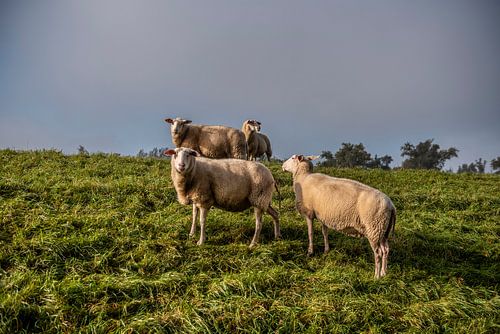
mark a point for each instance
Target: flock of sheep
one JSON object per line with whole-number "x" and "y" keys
{"x": 210, "y": 169}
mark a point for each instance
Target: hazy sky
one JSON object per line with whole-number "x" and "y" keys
{"x": 104, "y": 74}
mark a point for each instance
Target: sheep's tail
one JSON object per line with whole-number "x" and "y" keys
{"x": 392, "y": 223}
{"x": 279, "y": 195}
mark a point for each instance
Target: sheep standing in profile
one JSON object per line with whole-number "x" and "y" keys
{"x": 228, "y": 184}
{"x": 258, "y": 143}
{"x": 343, "y": 205}
{"x": 211, "y": 141}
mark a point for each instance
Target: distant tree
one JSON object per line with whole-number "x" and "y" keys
{"x": 386, "y": 161}
{"x": 426, "y": 155}
{"x": 464, "y": 168}
{"x": 475, "y": 167}
{"x": 382, "y": 162}
{"x": 350, "y": 155}
{"x": 495, "y": 165}
{"x": 480, "y": 165}
{"x": 142, "y": 154}
{"x": 82, "y": 150}
{"x": 153, "y": 153}
{"x": 328, "y": 159}
{"x": 374, "y": 163}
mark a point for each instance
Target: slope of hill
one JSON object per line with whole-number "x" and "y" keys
{"x": 99, "y": 244}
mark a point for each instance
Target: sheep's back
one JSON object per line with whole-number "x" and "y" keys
{"x": 238, "y": 184}
{"x": 217, "y": 141}
{"x": 344, "y": 204}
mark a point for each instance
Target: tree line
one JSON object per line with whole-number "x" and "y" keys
{"x": 156, "y": 152}
{"x": 424, "y": 155}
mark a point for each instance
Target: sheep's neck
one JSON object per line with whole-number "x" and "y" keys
{"x": 248, "y": 133}
{"x": 179, "y": 138}
{"x": 300, "y": 173}
{"x": 183, "y": 184}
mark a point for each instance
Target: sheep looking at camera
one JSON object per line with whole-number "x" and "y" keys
{"x": 228, "y": 184}
{"x": 258, "y": 143}
{"x": 211, "y": 141}
{"x": 343, "y": 205}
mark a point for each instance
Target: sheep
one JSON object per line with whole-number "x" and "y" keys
{"x": 217, "y": 142}
{"x": 229, "y": 184}
{"x": 258, "y": 143}
{"x": 344, "y": 205}
{"x": 266, "y": 139}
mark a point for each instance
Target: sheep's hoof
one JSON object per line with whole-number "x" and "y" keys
{"x": 326, "y": 251}
{"x": 253, "y": 245}
{"x": 310, "y": 252}
{"x": 191, "y": 235}
{"x": 200, "y": 242}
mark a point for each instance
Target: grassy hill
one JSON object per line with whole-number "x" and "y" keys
{"x": 99, "y": 244}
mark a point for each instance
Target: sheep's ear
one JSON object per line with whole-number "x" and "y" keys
{"x": 312, "y": 157}
{"x": 169, "y": 120}
{"x": 187, "y": 121}
{"x": 257, "y": 122}
{"x": 169, "y": 153}
{"x": 300, "y": 157}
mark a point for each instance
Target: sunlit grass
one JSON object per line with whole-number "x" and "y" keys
{"x": 99, "y": 244}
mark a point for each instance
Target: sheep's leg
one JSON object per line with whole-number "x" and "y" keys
{"x": 276, "y": 222}
{"x": 377, "y": 253}
{"x": 385, "y": 256}
{"x": 203, "y": 218}
{"x": 324, "y": 229}
{"x": 193, "y": 224}
{"x": 258, "y": 227}
{"x": 310, "y": 249}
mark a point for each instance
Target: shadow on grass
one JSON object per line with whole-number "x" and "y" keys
{"x": 445, "y": 255}
{"x": 438, "y": 254}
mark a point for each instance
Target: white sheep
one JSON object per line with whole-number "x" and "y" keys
{"x": 211, "y": 141}
{"x": 344, "y": 205}
{"x": 258, "y": 143}
{"x": 229, "y": 184}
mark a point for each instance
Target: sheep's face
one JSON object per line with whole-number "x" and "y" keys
{"x": 253, "y": 125}
{"x": 291, "y": 164}
{"x": 177, "y": 125}
{"x": 296, "y": 160}
{"x": 183, "y": 159}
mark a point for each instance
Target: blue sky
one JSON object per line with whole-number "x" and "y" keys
{"x": 104, "y": 74}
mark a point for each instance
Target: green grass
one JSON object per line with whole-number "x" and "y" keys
{"x": 99, "y": 244}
